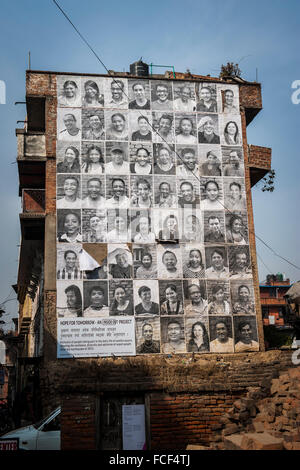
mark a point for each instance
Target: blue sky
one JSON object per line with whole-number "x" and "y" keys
{"x": 195, "y": 35}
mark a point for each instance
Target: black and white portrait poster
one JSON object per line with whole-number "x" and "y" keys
{"x": 153, "y": 247}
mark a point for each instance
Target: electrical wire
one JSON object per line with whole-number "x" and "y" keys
{"x": 155, "y": 130}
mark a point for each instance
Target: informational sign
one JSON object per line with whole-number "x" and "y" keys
{"x": 133, "y": 419}
{"x": 152, "y": 219}
{"x": 9, "y": 444}
{"x": 95, "y": 337}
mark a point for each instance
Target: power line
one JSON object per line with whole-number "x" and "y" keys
{"x": 269, "y": 270}
{"x": 155, "y": 130}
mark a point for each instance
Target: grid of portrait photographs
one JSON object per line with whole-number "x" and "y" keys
{"x": 151, "y": 211}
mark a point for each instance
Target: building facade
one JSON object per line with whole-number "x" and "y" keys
{"x": 273, "y": 302}
{"x": 137, "y": 222}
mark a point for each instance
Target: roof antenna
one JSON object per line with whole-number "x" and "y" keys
{"x": 29, "y": 62}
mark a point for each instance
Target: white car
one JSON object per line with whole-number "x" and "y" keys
{"x": 43, "y": 435}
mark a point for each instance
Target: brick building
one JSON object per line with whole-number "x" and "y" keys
{"x": 184, "y": 395}
{"x": 273, "y": 302}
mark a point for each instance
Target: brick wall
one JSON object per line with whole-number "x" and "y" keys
{"x": 78, "y": 427}
{"x": 179, "y": 420}
{"x": 259, "y": 157}
{"x": 251, "y": 230}
{"x": 187, "y": 410}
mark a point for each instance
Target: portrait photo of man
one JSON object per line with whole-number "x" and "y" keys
{"x": 188, "y": 197}
{"x": 214, "y": 229}
{"x": 70, "y": 269}
{"x": 164, "y": 128}
{"x": 120, "y": 262}
{"x": 93, "y": 125}
{"x": 187, "y": 165}
{"x": 95, "y": 299}
{"x": 221, "y": 330}
{"x": 162, "y": 97}
{"x": 117, "y": 94}
{"x": 217, "y": 262}
{"x": 246, "y": 335}
{"x": 174, "y": 333}
{"x": 165, "y": 196}
{"x": 95, "y": 194}
{"x": 184, "y": 101}
{"x": 71, "y": 130}
{"x": 146, "y": 298}
{"x": 233, "y": 166}
{"x": 206, "y": 101}
{"x": 228, "y": 102}
{"x": 68, "y": 186}
{"x": 118, "y": 197}
{"x": 239, "y": 262}
{"x": 118, "y": 164}
{"x": 212, "y": 165}
{"x": 148, "y": 345}
{"x": 141, "y": 95}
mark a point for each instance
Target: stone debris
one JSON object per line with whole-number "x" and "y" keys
{"x": 267, "y": 418}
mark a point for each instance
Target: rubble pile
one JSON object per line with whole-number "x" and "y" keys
{"x": 267, "y": 418}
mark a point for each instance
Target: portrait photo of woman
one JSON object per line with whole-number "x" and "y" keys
{"x": 122, "y": 302}
{"x": 141, "y": 229}
{"x": 92, "y": 96}
{"x": 244, "y": 305}
{"x": 147, "y": 268}
{"x": 199, "y": 341}
{"x": 94, "y": 162}
{"x": 172, "y": 303}
{"x": 196, "y": 302}
{"x": 208, "y": 130}
{"x": 164, "y": 160}
{"x": 186, "y": 131}
{"x": 142, "y": 164}
{"x": 70, "y": 94}
{"x": 69, "y": 226}
{"x": 70, "y": 163}
{"x": 219, "y": 305}
{"x": 236, "y": 230}
{"x": 211, "y": 199}
{"x": 194, "y": 267}
{"x": 141, "y": 193}
{"x": 118, "y": 127}
{"x": 73, "y": 302}
{"x": 232, "y": 134}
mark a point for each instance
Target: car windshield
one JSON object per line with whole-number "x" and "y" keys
{"x": 38, "y": 424}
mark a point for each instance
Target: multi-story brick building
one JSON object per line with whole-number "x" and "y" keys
{"x": 273, "y": 302}
{"x": 184, "y": 391}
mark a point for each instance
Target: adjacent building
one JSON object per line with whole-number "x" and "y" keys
{"x": 272, "y": 296}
